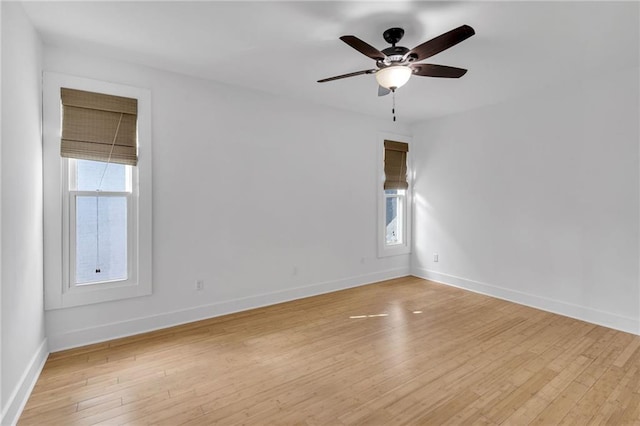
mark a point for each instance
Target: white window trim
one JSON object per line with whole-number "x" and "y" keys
{"x": 57, "y": 291}
{"x": 385, "y": 250}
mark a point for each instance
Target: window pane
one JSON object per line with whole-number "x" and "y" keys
{"x": 101, "y": 239}
{"x": 393, "y": 220}
{"x": 90, "y": 173}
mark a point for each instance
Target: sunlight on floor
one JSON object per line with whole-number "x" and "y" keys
{"x": 368, "y": 316}
{"x": 376, "y": 315}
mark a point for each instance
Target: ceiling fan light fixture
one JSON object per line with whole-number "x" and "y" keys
{"x": 394, "y": 76}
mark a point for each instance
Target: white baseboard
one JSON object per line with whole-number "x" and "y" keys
{"x": 85, "y": 336}
{"x": 607, "y": 319}
{"x": 20, "y": 395}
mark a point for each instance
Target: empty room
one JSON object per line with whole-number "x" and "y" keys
{"x": 320, "y": 212}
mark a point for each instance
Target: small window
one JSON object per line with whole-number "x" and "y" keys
{"x": 394, "y": 217}
{"x": 394, "y": 210}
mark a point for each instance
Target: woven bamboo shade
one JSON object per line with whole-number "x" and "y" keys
{"x": 99, "y": 127}
{"x": 395, "y": 165}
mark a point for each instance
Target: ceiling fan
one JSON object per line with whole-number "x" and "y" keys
{"x": 396, "y": 64}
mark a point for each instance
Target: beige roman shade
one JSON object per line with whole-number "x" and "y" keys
{"x": 395, "y": 165}
{"x": 99, "y": 127}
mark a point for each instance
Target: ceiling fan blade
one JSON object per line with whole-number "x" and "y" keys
{"x": 351, "y": 74}
{"x": 440, "y": 43}
{"x": 364, "y": 48}
{"x": 432, "y": 70}
{"x": 383, "y": 91}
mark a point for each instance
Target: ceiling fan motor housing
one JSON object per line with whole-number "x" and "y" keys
{"x": 395, "y": 53}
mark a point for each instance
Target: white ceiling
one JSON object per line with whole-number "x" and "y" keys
{"x": 284, "y": 47}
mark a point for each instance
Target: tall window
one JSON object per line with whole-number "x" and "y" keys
{"x": 96, "y": 146}
{"x": 99, "y": 140}
{"x": 394, "y": 211}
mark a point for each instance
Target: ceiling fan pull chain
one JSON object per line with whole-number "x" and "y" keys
{"x": 393, "y": 108}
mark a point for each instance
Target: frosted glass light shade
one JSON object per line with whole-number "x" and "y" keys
{"x": 394, "y": 76}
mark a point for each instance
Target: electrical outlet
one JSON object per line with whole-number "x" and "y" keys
{"x": 199, "y": 285}
{"x": 295, "y": 271}
{"x": 435, "y": 257}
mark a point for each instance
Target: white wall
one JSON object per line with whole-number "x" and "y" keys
{"x": 536, "y": 200}
{"x": 23, "y": 338}
{"x": 264, "y": 198}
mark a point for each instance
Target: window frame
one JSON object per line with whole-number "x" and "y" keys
{"x": 384, "y": 249}
{"x": 60, "y": 290}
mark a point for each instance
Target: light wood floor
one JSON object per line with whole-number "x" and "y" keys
{"x": 404, "y": 351}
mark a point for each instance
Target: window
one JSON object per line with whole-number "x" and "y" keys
{"x": 97, "y": 169}
{"x": 101, "y": 216}
{"x": 394, "y": 210}
{"x": 394, "y": 216}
